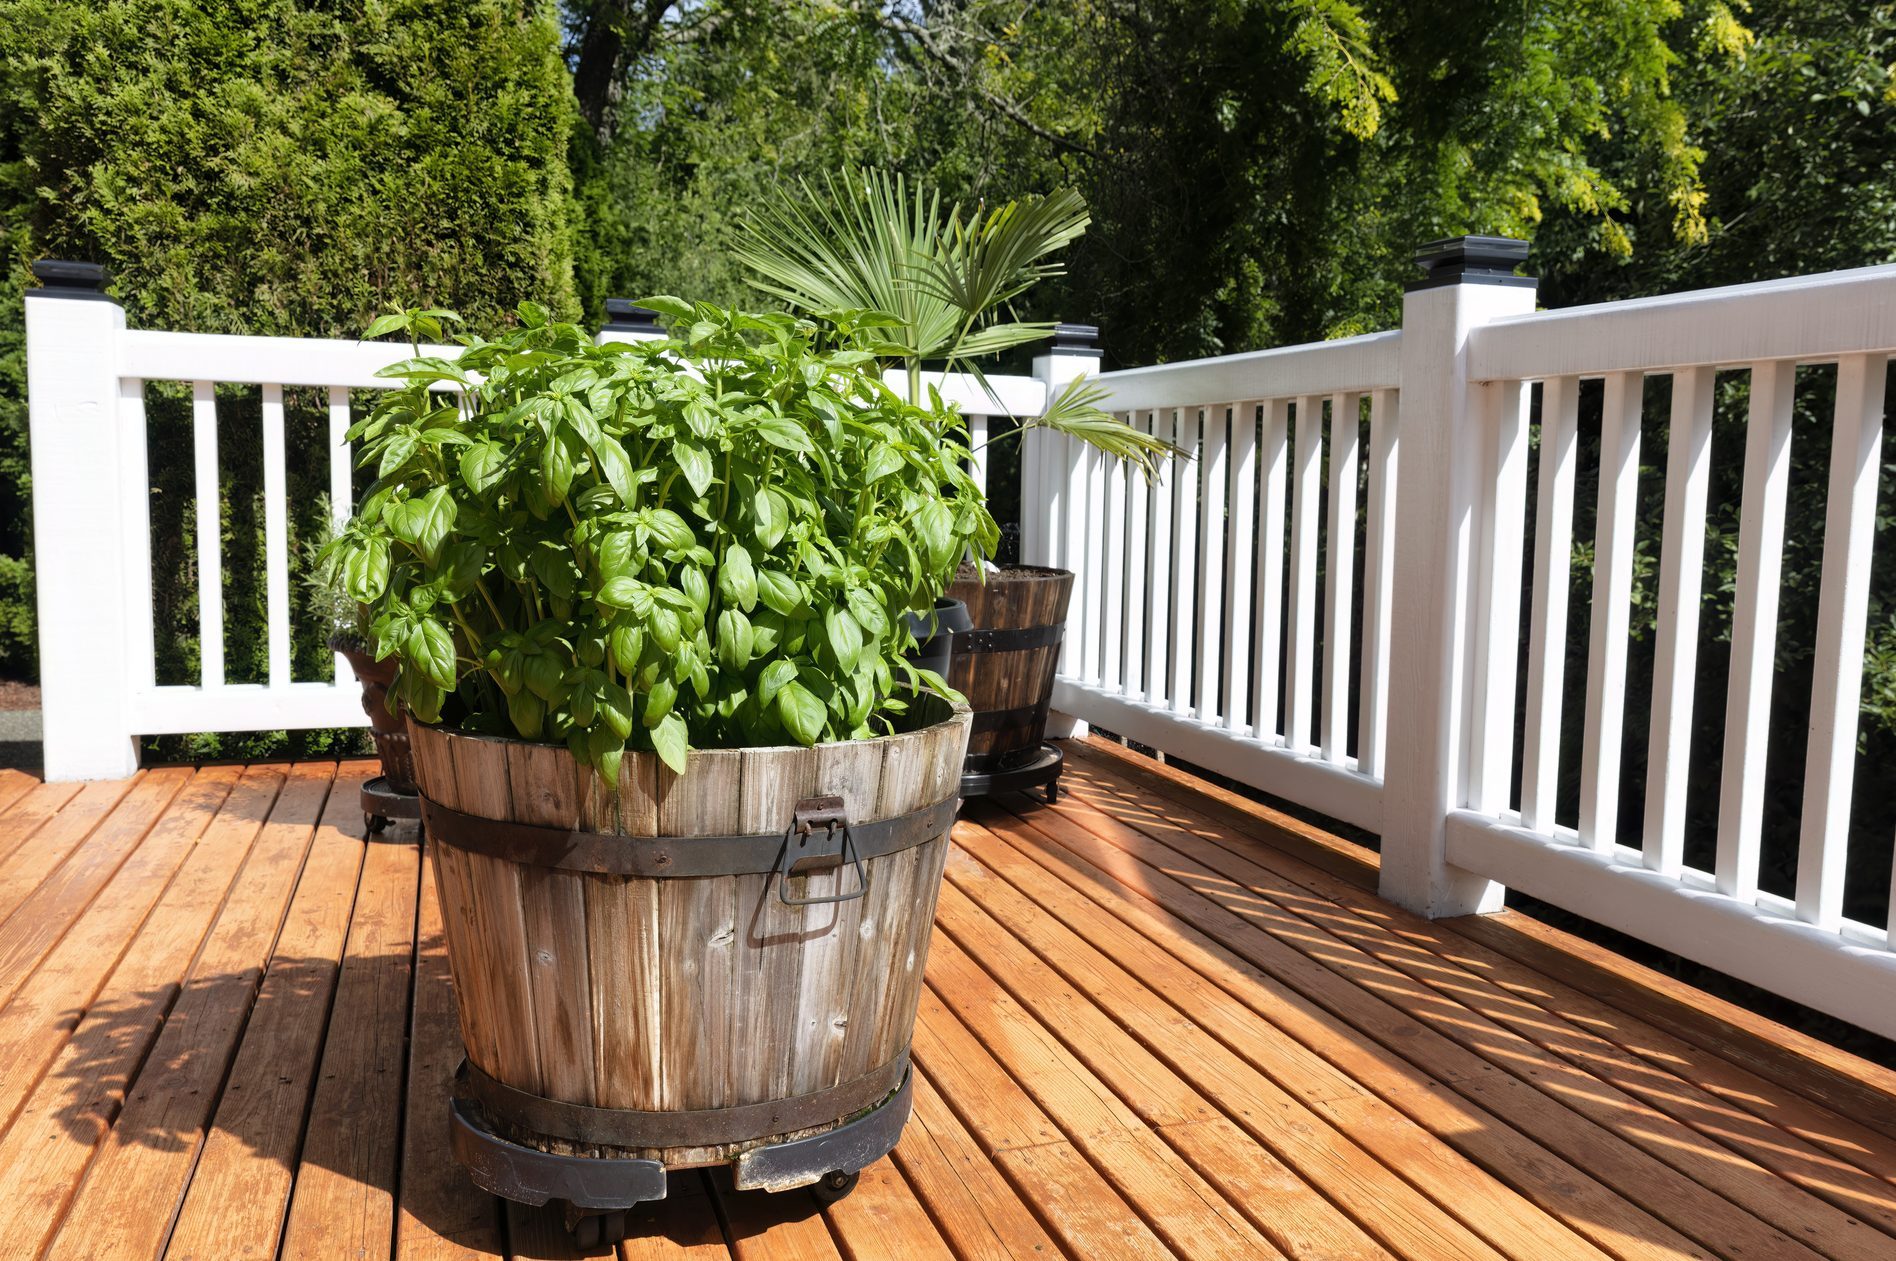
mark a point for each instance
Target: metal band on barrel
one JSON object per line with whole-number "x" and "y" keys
{"x": 682, "y": 857}
{"x": 1009, "y": 719}
{"x": 707, "y": 1127}
{"x": 1010, "y": 639}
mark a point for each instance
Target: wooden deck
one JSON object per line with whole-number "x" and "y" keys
{"x": 1160, "y": 1021}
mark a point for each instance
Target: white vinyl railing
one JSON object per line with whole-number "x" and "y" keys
{"x": 1176, "y": 635}
{"x": 1324, "y": 602}
{"x": 1632, "y": 872}
{"x": 92, "y": 482}
{"x": 1227, "y": 616}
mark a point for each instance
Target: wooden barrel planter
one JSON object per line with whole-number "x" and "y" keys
{"x": 716, "y": 967}
{"x": 1005, "y": 667}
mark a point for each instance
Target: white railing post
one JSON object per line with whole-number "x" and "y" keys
{"x": 85, "y": 455}
{"x": 1075, "y": 352}
{"x": 1441, "y": 510}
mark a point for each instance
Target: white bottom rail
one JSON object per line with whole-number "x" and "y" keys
{"x": 1331, "y": 788}
{"x": 247, "y": 707}
{"x": 1851, "y": 975}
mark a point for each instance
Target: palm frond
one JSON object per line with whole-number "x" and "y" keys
{"x": 1076, "y": 412}
{"x": 867, "y": 241}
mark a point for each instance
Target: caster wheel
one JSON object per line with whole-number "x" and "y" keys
{"x": 1053, "y": 792}
{"x": 600, "y": 1230}
{"x": 373, "y": 823}
{"x": 834, "y": 1185}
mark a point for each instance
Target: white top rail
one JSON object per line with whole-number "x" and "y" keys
{"x": 1802, "y": 319}
{"x": 303, "y": 361}
{"x": 1369, "y": 362}
{"x": 223, "y": 357}
{"x": 1002, "y": 396}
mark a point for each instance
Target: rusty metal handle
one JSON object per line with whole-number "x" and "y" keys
{"x": 811, "y": 815}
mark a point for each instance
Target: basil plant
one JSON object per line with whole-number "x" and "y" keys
{"x": 705, "y": 541}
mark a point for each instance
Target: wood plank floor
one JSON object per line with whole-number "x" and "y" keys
{"x": 1160, "y": 1021}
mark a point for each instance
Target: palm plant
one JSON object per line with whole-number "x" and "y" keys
{"x": 917, "y": 282}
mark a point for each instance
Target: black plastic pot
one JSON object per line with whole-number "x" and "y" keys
{"x": 935, "y": 635}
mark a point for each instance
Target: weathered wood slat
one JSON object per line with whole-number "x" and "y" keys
{"x": 1001, "y": 679}
{"x": 84, "y": 971}
{"x": 1614, "y": 1151}
{"x": 240, "y": 1188}
{"x": 1138, "y": 999}
{"x": 141, "y": 1169}
{"x": 442, "y": 1216}
{"x": 345, "y": 1184}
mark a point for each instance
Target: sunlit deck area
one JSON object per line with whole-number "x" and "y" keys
{"x": 1160, "y": 1021}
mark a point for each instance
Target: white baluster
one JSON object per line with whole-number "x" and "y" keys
{"x": 1856, "y": 451}
{"x": 1235, "y": 692}
{"x": 1211, "y": 566}
{"x": 1339, "y": 589}
{"x": 1273, "y": 474}
{"x": 1306, "y": 486}
{"x": 1600, "y": 761}
{"x": 1754, "y": 627}
{"x": 1675, "y": 658}
{"x": 1379, "y": 546}
{"x": 1547, "y": 628}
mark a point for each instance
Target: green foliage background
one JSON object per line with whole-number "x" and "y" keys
{"x": 1259, "y": 173}
{"x": 270, "y": 167}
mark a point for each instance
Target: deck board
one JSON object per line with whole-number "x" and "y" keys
{"x": 1159, "y": 1020}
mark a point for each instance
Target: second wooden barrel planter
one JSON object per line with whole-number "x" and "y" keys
{"x": 390, "y": 795}
{"x": 1005, "y": 667}
{"x": 718, "y": 967}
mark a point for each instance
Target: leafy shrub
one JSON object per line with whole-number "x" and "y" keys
{"x": 710, "y": 540}
{"x": 271, "y": 167}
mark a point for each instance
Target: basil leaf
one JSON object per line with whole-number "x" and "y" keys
{"x": 803, "y": 715}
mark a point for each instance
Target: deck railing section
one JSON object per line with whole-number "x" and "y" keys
{"x": 1214, "y": 610}
{"x": 92, "y": 520}
{"x": 1212, "y": 613}
{"x": 1632, "y": 873}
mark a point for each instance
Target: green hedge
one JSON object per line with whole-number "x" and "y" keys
{"x": 271, "y": 167}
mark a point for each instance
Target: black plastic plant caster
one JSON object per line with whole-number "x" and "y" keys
{"x": 595, "y": 1230}
{"x": 381, "y": 805}
{"x": 834, "y": 1185}
{"x": 1041, "y": 770}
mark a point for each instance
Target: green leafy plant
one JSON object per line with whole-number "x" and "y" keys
{"x": 917, "y": 283}
{"x": 709, "y": 540}
{"x": 344, "y": 619}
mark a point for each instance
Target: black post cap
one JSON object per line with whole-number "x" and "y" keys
{"x": 1076, "y": 339}
{"x": 1472, "y": 260}
{"x": 626, "y": 316}
{"x": 60, "y": 278}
